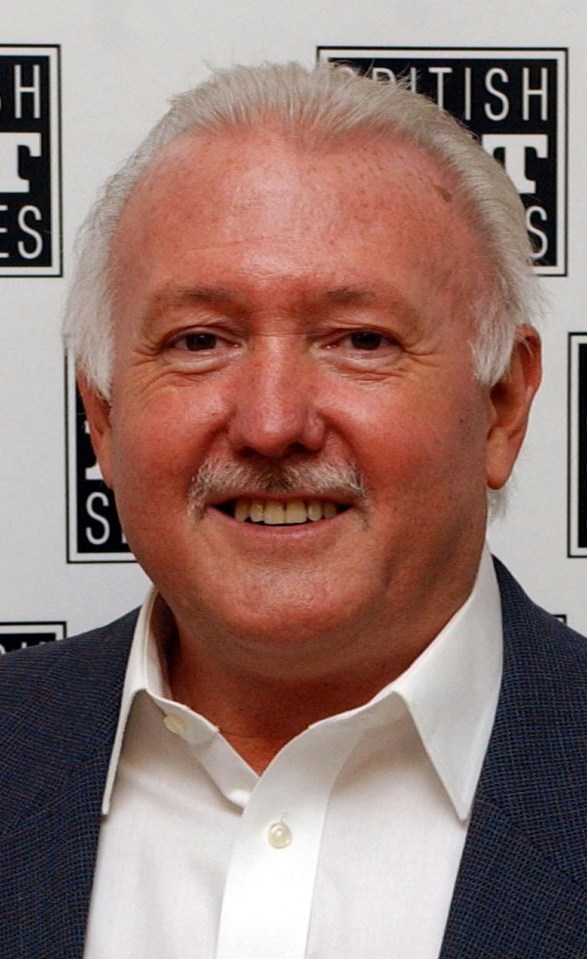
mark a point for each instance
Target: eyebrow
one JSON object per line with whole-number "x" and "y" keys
{"x": 365, "y": 296}
{"x": 206, "y": 294}
{"x": 226, "y": 297}
{"x": 190, "y": 296}
{"x": 196, "y": 294}
{"x": 350, "y": 295}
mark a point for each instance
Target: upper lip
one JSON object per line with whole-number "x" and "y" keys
{"x": 289, "y": 497}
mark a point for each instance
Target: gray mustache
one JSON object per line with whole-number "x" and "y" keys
{"x": 217, "y": 478}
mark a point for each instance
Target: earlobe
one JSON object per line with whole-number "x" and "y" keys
{"x": 511, "y": 400}
{"x": 98, "y": 416}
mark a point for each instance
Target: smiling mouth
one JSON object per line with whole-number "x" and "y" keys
{"x": 281, "y": 512}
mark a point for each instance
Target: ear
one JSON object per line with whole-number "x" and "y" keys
{"x": 511, "y": 399}
{"x": 98, "y": 416}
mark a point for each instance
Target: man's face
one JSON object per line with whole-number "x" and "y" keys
{"x": 277, "y": 307}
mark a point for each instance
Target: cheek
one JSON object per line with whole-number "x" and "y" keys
{"x": 421, "y": 448}
{"x": 154, "y": 407}
{"x": 154, "y": 444}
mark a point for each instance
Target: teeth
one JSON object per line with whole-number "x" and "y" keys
{"x": 290, "y": 513}
{"x": 274, "y": 514}
{"x": 242, "y": 510}
{"x": 295, "y": 512}
{"x": 256, "y": 512}
{"x": 314, "y": 510}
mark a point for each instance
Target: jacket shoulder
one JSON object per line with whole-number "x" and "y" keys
{"x": 538, "y": 645}
{"x": 77, "y": 654}
{"x": 59, "y": 705}
{"x": 536, "y": 765}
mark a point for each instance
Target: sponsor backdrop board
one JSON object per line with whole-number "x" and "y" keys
{"x": 81, "y": 82}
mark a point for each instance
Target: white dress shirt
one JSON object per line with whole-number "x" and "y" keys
{"x": 347, "y": 846}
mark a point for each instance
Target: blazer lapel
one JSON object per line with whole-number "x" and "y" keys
{"x": 510, "y": 901}
{"x": 521, "y": 891}
{"x": 58, "y": 715}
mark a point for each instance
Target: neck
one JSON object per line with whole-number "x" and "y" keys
{"x": 258, "y": 714}
{"x": 263, "y": 690}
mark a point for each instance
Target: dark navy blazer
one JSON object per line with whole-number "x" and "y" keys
{"x": 521, "y": 891}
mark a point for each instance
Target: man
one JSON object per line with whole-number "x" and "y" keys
{"x": 302, "y": 327}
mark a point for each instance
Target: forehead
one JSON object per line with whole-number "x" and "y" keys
{"x": 258, "y": 203}
{"x": 265, "y": 164}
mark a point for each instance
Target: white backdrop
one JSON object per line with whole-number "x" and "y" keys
{"x": 120, "y": 61}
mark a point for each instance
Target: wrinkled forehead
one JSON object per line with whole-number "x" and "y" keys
{"x": 194, "y": 159}
{"x": 248, "y": 187}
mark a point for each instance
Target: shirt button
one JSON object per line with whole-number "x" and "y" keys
{"x": 279, "y": 835}
{"x": 175, "y": 724}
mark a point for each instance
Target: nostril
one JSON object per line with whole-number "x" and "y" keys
{"x": 272, "y": 450}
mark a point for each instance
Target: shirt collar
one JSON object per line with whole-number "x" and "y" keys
{"x": 450, "y": 690}
{"x": 143, "y": 671}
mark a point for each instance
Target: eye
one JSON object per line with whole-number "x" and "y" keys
{"x": 198, "y": 341}
{"x": 368, "y": 340}
{"x": 362, "y": 349}
{"x": 201, "y": 348}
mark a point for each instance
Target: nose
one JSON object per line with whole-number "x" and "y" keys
{"x": 274, "y": 408}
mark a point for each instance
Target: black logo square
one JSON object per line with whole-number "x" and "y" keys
{"x": 94, "y": 534}
{"x": 20, "y": 635}
{"x": 514, "y": 101}
{"x": 30, "y": 163}
{"x": 577, "y": 427}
